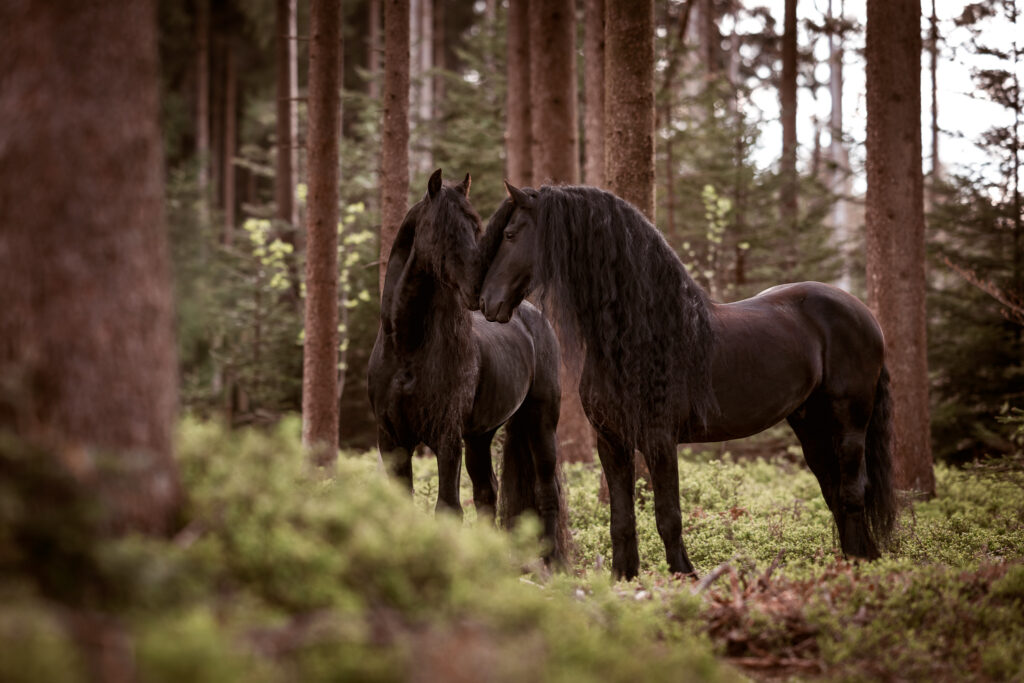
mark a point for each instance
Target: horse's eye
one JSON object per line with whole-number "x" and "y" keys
{"x": 509, "y": 235}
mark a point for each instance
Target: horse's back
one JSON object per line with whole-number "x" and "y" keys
{"x": 851, "y": 337}
{"x": 776, "y": 349}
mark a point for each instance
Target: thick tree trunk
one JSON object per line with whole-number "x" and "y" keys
{"x": 555, "y": 156}
{"x": 895, "y": 227}
{"x": 787, "y": 103}
{"x": 320, "y": 356}
{"x": 629, "y": 102}
{"x": 629, "y": 109}
{"x": 593, "y": 79}
{"x": 553, "y": 92}
{"x": 518, "y": 136}
{"x": 87, "y": 352}
{"x": 394, "y": 149}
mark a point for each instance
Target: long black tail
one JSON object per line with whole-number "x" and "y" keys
{"x": 518, "y": 478}
{"x": 519, "y": 492}
{"x": 881, "y": 504}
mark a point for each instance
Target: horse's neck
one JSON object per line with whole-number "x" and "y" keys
{"x": 426, "y": 315}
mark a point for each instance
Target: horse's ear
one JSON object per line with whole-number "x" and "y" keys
{"x": 463, "y": 187}
{"x": 519, "y": 198}
{"x": 434, "y": 184}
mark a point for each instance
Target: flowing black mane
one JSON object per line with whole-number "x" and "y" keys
{"x": 610, "y": 281}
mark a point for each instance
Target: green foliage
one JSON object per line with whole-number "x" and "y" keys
{"x": 282, "y": 571}
{"x": 971, "y": 229}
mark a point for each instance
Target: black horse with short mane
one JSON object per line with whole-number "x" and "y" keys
{"x": 439, "y": 373}
{"x": 663, "y": 364}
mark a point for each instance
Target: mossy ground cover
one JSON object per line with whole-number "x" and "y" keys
{"x": 280, "y": 573}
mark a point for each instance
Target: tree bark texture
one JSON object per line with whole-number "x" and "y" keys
{"x": 203, "y": 103}
{"x": 553, "y": 123}
{"x": 373, "y": 47}
{"x": 320, "y": 357}
{"x": 518, "y": 135}
{"x": 394, "y": 153}
{"x": 230, "y": 140}
{"x": 593, "y": 87}
{"x": 895, "y": 227}
{"x": 629, "y": 102}
{"x": 87, "y": 352}
{"x": 555, "y": 157}
{"x": 787, "y": 106}
{"x": 839, "y": 182}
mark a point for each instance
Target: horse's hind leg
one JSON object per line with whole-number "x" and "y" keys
{"x": 832, "y": 434}
{"x": 664, "y": 467}
{"x": 617, "y": 462}
{"x": 481, "y": 473}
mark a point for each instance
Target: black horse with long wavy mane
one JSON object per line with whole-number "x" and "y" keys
{"x": 440, "y": 374}
{"x": 663, "y": 364}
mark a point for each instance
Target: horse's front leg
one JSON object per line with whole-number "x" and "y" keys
{"x": 449, "y": 472}
{"x": 617, "y": 463}
{"x": 396, "y": 459}
{"x": 661, "y": 461}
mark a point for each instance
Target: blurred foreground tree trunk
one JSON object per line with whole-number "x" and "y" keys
{"x": 394, "y": 149}
{"x": 87, "y": 354}
{"x": 320, "y": 356}
{"x": 895, "y": 227}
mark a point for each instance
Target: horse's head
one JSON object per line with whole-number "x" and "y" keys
{"x": 446, "y": 237}
{"x": 509, "y": 247}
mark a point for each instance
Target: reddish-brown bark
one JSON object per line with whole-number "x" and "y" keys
{"x": 320, "y": 356}
{"x": 895, "y": 228}
{"x": 87, "y": 353}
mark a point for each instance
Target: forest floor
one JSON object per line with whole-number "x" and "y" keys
{"x": 280, "y": 573}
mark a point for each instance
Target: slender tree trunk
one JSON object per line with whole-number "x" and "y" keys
{"x": 787, "y": 100}
{"x": 933, "y": 52}
{"x": 440, "y": 62}
{"x": 320, "y": 357}
{"x": 663, "y": 112}
{"x": 518, "y": 136}
{"x": 87, "y": 351}
{"x": 373, "y": 48}
{"x": 216, "y": 121}
{"x": 593, "y": 78}
{"x": 230, "y": 141}
{"x": 709, "y": 38}
{"x": 394, "y": 155}
{"x": 284, "y": 182}
{"x": 203, "y": 107}
{"x": 895, "y": 227}
{"x": 839, "y": 183}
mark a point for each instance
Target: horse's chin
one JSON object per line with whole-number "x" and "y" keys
{"x": 501, "y": 313}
